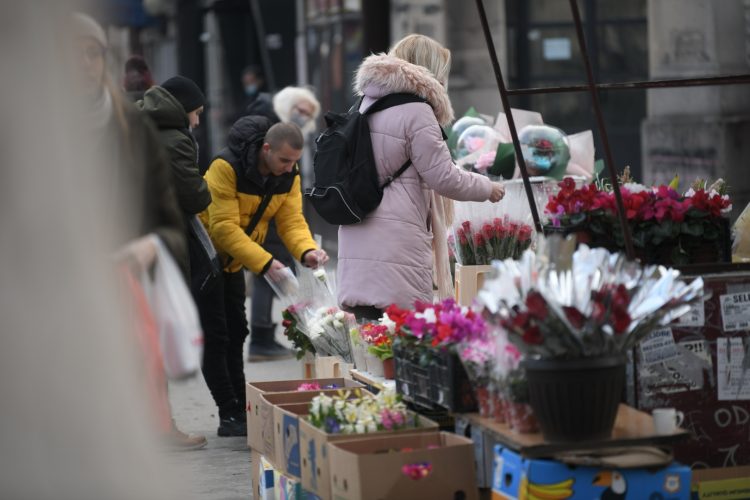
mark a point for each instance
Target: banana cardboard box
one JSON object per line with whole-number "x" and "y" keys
{"x": 517, "y": 478}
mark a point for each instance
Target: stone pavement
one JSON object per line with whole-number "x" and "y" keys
{"x": 221, "y": 471}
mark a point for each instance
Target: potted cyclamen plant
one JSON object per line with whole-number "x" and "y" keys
{"x": 575, "y": 316}
{"x": 379, "y": 342}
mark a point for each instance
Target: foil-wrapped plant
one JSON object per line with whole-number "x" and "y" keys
{"x": 559, "y": 302}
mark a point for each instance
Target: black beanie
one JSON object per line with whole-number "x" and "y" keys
{"x": 186, "y": 92}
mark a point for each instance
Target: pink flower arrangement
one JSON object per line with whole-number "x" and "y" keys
{"x": 444, "y": 324}
{"x": 312, "y": 386}
{"x": 657, "y": 215}
{"x": 391, "y": 419}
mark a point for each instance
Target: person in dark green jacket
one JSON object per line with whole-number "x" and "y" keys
{"x": 175, "y": 108}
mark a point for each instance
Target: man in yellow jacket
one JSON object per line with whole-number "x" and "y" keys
{"x": 253, "y": 180}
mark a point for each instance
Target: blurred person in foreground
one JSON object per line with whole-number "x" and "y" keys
{"x": 137, "y": 78}
{"x": 255, "y": 178}
{"x": 296, "y": 105}
{"x": 389, "y": 257}
{"x": 137, "y": 178}
{"x": 75, "y": 422}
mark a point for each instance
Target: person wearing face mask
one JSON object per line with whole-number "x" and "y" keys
{"x": 252, "y": 83}
{"x": 175, "y": 108}
{"x": 252, "y": 181}
{"x": 296, "y": 105}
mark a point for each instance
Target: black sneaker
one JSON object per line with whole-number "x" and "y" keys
{"x": 232, "y": 426}
{"x": 269, "y": 352}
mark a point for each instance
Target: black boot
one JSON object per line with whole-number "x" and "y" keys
{"x": 232, "y": 420}
{"x": 263, "y": 345}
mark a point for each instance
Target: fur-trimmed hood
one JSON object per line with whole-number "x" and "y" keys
{"x": 381, "y": 74}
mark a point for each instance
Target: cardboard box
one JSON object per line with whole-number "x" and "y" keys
{"x": 316, "y": 476}
{"x": 287, "y": 408}
{"x": 286, "y": 441}
{"x": 516, "y": 477}
{"x": 731, "y": 483}
{"x": 259, "y": 412}
{"x": 308, "y": 366}
{"x": 332, "y": 366}
{"x": 263, "y": 477}
{"x": 371, "y": 469}
{"x": 469, "y": 280}
{"x": 278, "y": 486}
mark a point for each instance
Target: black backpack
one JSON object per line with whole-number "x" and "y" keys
{"x": 346, "y": 186}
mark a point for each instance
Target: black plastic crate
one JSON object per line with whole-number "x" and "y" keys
{"x": 443, "y": 383}
{"x": 412, "y": 379}
{"x": 452, "y": 388}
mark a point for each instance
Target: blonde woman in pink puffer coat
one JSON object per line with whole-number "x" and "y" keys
{"x": 388, "y": 257}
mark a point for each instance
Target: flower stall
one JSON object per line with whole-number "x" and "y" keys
{"x": 583, "y": 302}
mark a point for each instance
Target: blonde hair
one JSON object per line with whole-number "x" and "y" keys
{"x": 426, "y": 52}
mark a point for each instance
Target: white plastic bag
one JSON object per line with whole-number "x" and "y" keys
{"x": 180, "y": 330}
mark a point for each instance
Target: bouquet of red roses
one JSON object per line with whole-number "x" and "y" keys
{"x": 558, "y": 303}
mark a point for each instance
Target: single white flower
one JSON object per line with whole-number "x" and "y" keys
{"x": 340, "y": 315}
{"x": 428, "y": 315}
{"x": 359, "y": 428}
{"x": 337, "y": 324}
{"x": 372, "y": 427}
{"x": 325, "y": 403}
{"x": 388, "y": 323}
{"x": 635, "y": 187}
{"x": 320, "y": 273}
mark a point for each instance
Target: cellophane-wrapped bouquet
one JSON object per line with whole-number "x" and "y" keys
{"x": 483, "y": 231}
{"x": 563, "y": 303}
{"x": 310, "y": 310}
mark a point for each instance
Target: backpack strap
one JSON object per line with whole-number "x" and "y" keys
{"x": 386, "y": 102}
{"x": 256, "y": 218}
{"x": 396, "y": 174}
{"x": 392, "y": 100}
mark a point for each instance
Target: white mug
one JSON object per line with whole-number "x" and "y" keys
{"x": 667, "y": 420}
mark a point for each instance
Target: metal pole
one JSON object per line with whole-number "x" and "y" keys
{"x": 629, "y": 250}
{"x": 639, "y": 85}
{"x": 260, "y": 31}
{"x": 509, "y": 115}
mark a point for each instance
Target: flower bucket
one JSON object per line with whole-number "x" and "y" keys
{"x": 576, "y": 399}
{"x": 360, "y": 357}
{"x": 499, "y": 407}
{"x": 485, "y": 402}
{"x": 374, "y": 365}
{"x": 522, "y": 418}
{"x": 389, "y": 369}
